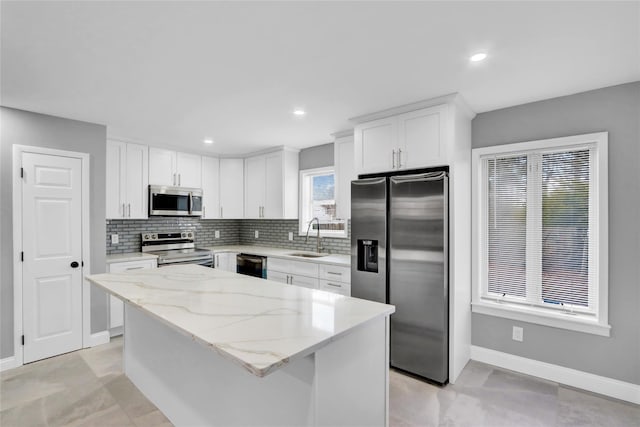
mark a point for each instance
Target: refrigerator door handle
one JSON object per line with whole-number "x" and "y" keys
{"x": 429, "y": 176}
{"x": 393, "y": 159}
{"x": 399, "y": 158}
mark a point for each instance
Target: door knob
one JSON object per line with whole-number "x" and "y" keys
{"x": 74, "y": 264}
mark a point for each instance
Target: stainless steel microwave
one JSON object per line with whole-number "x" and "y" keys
{"x": 175, "y": 201}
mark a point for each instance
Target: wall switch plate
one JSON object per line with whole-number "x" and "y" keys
{"x": 217, "y": 234}
{"x": 257, "y": 234}
{"x": 115, "y": 239}
{"x": 518, "y": 334}
{"x": 291, "y": 235}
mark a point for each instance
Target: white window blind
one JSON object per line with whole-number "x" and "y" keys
{"x": 538, "y": 229}
{"x": 507, "y": 226}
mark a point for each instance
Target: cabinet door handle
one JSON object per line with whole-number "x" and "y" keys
{"x": 217, "y": 260}
{"x": 334, "y": 273}
{"x": 174, "y": 179}
{"x": 129, "y": 210}
{"x": 220, "y": 211}
{"x": 399, "y": 158}
{"x": 334, "y": 285}
{"x": 204, "y": 211}
{"x": 134, "y": 268}
{"x": 179, "y": 179}
{"x": 393, "y": 159}
{"x": 123, "y": 211}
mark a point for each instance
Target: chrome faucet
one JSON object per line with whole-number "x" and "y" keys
{"x": 319, "y": 239}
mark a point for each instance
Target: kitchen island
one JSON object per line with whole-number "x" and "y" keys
{"x": 210, "y": 347}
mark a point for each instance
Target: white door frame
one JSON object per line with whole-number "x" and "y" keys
{"x": 18, "y": 150}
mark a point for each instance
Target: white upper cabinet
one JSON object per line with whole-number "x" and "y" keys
{"x": 405, "y": 141}
{"x": 173, "y": 168}
{"x": 162, "y": 167}
{"x": 271, "y": 185}
{"x": 376, "y": 145}
{"x": 231, "y": 187}
{"x": 420, "y": 138}
{"x": 345, "y": 173}
{"x": 188, "y": 169}
{"x": 126, "y": 180}
{"x": 254, "y": 186}
{"x": 210, "y": 187}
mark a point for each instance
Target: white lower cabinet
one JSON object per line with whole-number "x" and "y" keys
{"x": 225, "y": 261}
{"x": 277, "y": 276}
{"x": 116, "y": 307}
{"x": 304, "y": 281}
{"x": 329, "y": 278}
{"x": 334, "y": 278}
{"x": 335, "y": 287}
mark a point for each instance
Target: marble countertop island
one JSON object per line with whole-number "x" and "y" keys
{"x": 256, "y": 323}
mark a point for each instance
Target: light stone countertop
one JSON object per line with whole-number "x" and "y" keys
{"x": 256, "y": 323}
{"x": 333, "y": 259}
{"x": 131, "y": 256}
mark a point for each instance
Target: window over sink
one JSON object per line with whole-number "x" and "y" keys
{"x": 318, "y": 200}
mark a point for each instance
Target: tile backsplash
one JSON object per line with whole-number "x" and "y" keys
{"x": 275, "y": 233}
{"x": 129, "y": 230}
{"x": 272, "y": 232}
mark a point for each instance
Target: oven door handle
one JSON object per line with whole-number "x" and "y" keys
{"x": 254, "y": 260}
{"x": 183, "y": 260}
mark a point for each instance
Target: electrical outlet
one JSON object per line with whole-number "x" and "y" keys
{"x": 518, "y": 334}
{"x": 257, "y": 234}
{"x": 291, "y": 235}
{"x": 217, "y": 234}
{"x": 115, "y": 239}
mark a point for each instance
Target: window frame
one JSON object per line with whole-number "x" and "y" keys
{"x": 596, "y": 323}
{"x": 303, "y": 220}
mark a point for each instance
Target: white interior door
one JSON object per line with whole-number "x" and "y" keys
{"x": 52, "y": 244}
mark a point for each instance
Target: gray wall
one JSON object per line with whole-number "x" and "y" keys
{"x": 318, "y": 156}
{"x": 615, "y": 110}
{"x": 26, "y": 128}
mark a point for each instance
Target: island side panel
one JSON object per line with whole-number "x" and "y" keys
{"x": 193, "y": 385}
{"x": 352, "y": 378}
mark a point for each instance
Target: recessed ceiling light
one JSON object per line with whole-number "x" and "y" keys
{"x": 478, "y": 57}
{"x": 208, "y": 141}
{"x": 299, "y": 112}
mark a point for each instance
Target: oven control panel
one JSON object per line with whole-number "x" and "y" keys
{"x": 168, "y": 237}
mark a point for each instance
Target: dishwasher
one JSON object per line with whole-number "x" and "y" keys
{"x": 252, "y": 265}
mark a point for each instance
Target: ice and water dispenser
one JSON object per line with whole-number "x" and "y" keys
{"x": 368, "y": 255}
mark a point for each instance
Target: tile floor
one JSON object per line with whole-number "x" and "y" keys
{"x": 88, "y": 388}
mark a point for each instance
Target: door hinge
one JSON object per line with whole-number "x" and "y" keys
{"x": 23, "y": 340}
{"x": 22, "y": 256}
{"x": 21, "y": 172}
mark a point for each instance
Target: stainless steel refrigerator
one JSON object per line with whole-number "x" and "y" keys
{"x": 399, "y": 256}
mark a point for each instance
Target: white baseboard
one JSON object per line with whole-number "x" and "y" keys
{"x": 98, "y": 338}
{"x": 9, "y": 363}
{"x": 571, "y": 377}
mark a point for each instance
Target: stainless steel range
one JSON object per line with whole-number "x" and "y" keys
{"x": 176, "y": 248}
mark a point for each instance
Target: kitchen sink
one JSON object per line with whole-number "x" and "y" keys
{"x": 307, "y": 255}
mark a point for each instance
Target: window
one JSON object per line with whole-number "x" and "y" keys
{"x": 540, "y": 232}
{"x": 318, "y": 200}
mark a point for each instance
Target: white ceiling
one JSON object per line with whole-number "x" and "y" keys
{"x": 173, "y": 73}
